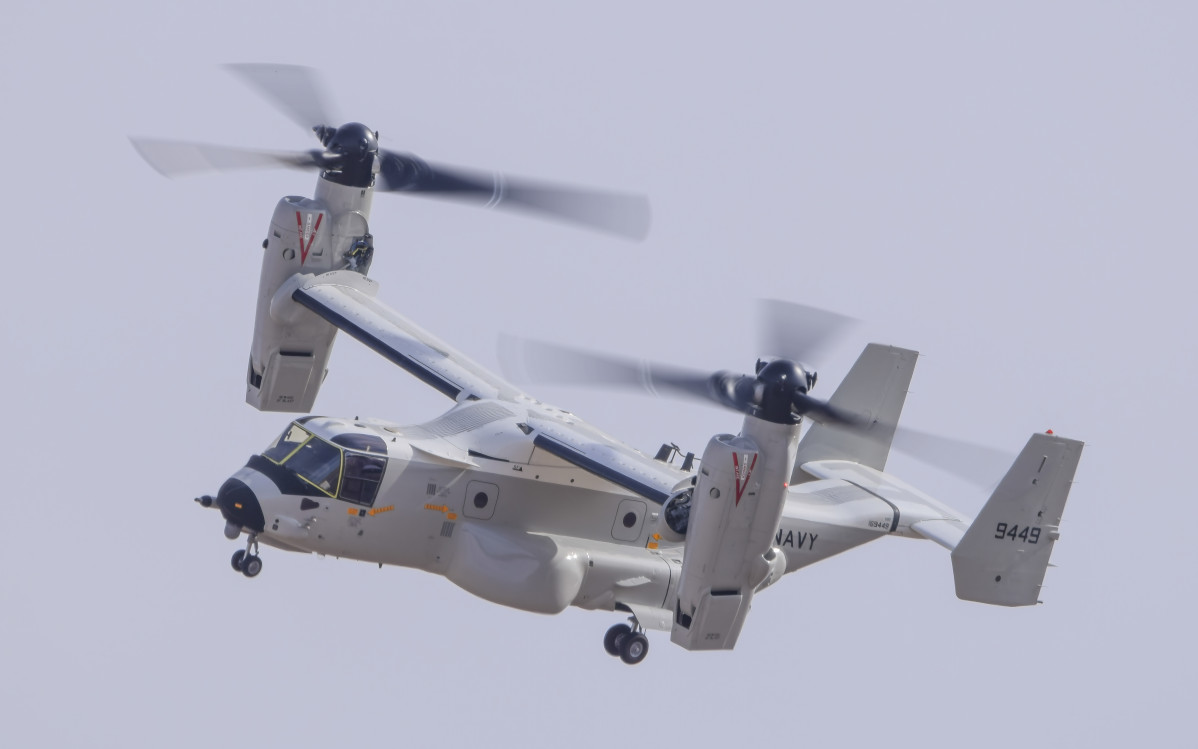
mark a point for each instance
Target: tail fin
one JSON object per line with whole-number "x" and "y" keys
{"x": 874, "y": 389}
{"x": 1001, "y": 559}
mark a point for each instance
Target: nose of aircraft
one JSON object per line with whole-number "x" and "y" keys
{"x": 240, "y": 506}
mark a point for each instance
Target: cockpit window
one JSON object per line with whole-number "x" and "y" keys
{"x": 318, "y": 463}
{"x": 347, "y": 475}
{"x": 287, "y": 442}
{"x": 362, "y": 476}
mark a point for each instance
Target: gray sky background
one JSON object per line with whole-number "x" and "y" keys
{"x": 1010, "y": 190}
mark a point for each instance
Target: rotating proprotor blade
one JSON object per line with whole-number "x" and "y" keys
{"x": 618, "y": 213}
{"x": 978, "y": 464}
{"x": 351, "y": 156}
{"x": 544, "y": 362}
{"x": 548, "y": 362}
{"x": 798, "y": 331}
{"x": 776, "y": 393}
{"x": 172, "y": 158}
{"x": 294, "y": 90}
{"x": 825, "y": 413}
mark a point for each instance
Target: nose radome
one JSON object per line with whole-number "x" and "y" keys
{"x": 239, "y": 505}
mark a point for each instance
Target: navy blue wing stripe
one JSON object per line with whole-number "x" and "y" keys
{"x": 415, "y": 368}
{"x": 570, "y": 455}
{"x": 895, "y": 523}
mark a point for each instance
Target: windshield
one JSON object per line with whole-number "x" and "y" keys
{"x": 321, "y": 464}
{"x": 286, "y": 443}
{"x": 318, "y": 463}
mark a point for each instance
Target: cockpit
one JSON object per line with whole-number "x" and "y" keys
{"x": 348, "y": 466}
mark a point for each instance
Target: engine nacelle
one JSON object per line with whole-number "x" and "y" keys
{"x": 713, "y": 594}
{"x": 734, "y": 515}
{"x": 290, "y": 351}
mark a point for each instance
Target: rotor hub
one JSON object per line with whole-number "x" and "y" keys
{"x": 350, "y": 152}
{"x": 775, "y": 388}
{"x": 353, "y": 140}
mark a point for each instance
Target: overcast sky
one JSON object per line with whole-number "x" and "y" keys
{"x": 1008, "y": 190}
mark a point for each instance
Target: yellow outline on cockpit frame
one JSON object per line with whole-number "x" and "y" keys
{"x": 311, "y": 436}
{"x": 297, "y": 447}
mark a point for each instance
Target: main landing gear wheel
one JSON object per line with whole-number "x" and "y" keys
{"x": 633, "y": 648}
{"x": 627, "y": 641}
{"x": 251, "y": 566}
{"x": 611, "y": 640}
{"x": 238, "y": 559}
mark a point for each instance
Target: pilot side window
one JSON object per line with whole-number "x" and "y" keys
{"x": 363, "y": 473}
{"x": 318, "y": 463}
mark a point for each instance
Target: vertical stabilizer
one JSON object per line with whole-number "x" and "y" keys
{"x": 1003, "y": 556}
{"x": 875, "y": 390}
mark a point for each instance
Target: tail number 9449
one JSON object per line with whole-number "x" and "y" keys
{"x": 1013, "y": 532}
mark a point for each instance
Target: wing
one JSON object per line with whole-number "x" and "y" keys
{"x": 346, "y": 300}
{"x": 588, "y": 448}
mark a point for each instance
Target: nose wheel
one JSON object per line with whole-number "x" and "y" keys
{"x": 246, "y": 561}
{"x": 627, "y": 641}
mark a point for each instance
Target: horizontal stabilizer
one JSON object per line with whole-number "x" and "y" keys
{"x": 946, "y": 532}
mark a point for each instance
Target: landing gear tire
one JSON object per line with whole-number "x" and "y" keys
{"x": 611, "y": 640}
{"x": 246, "y": 561}
{"x": 633, "y": 648}
{"x": 253, "y": 565}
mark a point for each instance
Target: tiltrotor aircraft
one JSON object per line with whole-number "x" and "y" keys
{"x": 528, "y": 506}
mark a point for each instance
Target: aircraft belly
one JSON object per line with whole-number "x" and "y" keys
{"x": 632, "y": 576}
{"x": 513, "y": 568}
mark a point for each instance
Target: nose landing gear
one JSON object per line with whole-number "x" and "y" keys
{"x": 627, "y": 642}
{"x": 246, "y": 561}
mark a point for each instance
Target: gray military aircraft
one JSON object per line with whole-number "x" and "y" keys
{"x": 526, "y": 505}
